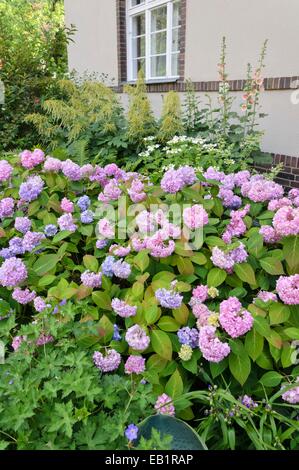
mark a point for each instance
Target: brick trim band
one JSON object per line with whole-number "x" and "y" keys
{"x": 271, "y": 84}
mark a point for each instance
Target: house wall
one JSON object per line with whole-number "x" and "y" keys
{"x": 244, "y": 23}
{"x": 95, "y": 43}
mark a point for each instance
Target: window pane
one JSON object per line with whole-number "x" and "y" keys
{"x": 176, "y": 14}
{"x": 175, "y": 40}
{"x": 159, "y": 19}
{"x": 134, "y": 3}
{"x": 138, "y": 64}
{"x": 158, "y": 66}
{"x": 174, "y": 65}
{"x": 139, "y": 25}
{"x": 139, "y": 47}
{"x": 158, "y": 43}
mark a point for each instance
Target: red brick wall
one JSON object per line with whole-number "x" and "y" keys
{"x": 289, "y": 176}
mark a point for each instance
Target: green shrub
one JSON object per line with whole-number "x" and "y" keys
{"x": 33, "y": 53}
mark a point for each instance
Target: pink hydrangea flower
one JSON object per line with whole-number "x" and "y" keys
{"x": 52, "y": 165}
{"x": 31, "y": 159}
{"x": 120, "y": 251}
{"x": 195, "y": 217}
{"x": 164, "y": 405}
{"x": 261, "y": 190}
{"x": 105, "y": 228}
{"x": 234, "y": 319}
{"x": 200, "y": 293}
{"x": 66, "y": 205}
{"x": 269, "y": 234}
{"x": 17, "y": 341}
{"x": 266, "y": 296}
{"x": 213, "y": 350}
{"x": 276, "y": 204}
{"x": 202, "y": 313}
{"x": 71, "y": 170}
{"x": 236, "y": 227}
{"x": 5, "y": 170}
{"x": 286, "y": 221}
{"x": 135, "y": 365}
{"x": 288, "y": 289}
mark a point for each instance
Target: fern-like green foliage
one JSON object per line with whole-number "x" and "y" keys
{"x": 171, "y": 122}
{"x": 86, "y": 112}
{"x": 141, "y": 121}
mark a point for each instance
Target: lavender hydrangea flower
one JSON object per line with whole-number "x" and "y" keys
{"x": 23, "y": 297}
{"x": 121, "y": 269}
{"x": 66, "y": 222}
{"x": 169, "y": 298}
{"x": 12, "y": 272}
{"x": 22, "y": 224}
{"x": 5, "y": 170}
{"x": 91, "y": 280}
{"x": 31, "y": 240}
{"x": 50, "y": 230}
{"x": 40, "y": 304}
{"x": 123, "y": 309}
{"x": 6, "y": 207}
{"x": 71, "y": 170}
{"x": 31, "y": 189}
{"x": 137, "y": 338}
{"x": 107, "y": 363}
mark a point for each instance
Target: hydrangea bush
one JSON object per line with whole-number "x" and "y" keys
{"x": 181, "y": 284}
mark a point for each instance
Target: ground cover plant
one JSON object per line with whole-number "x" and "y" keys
{"x": 178, "y": 297}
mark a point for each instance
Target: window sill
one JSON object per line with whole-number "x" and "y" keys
{"x": 155, "y": 81}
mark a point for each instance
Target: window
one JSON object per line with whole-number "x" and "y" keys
{"x": 153, "y": 28}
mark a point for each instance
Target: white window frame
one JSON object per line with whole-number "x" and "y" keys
{"x": 147, "y": 8}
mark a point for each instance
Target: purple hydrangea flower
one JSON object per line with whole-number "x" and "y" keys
{"x": 188, "y": 336}
{"x": 123, "y": 309}
{"x": 12, "y": 272}
{"x": 16, "y": 246}
{"x": 23, "y": 297}
{"x": 100, "y": 244}
{"x": 6, "y": 207}
{"x": 31, "y": 189}
{"x": 71, "y": 170}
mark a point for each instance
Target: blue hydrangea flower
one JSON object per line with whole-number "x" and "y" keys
{"x": 83, "y": 203}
